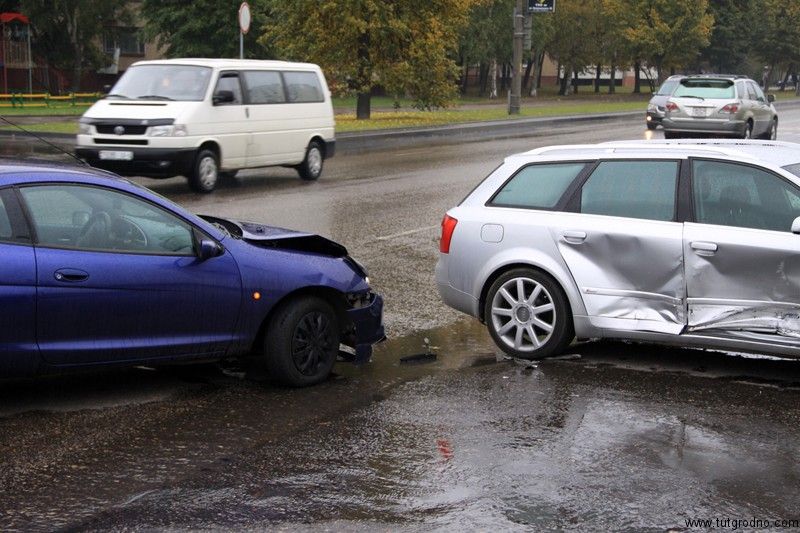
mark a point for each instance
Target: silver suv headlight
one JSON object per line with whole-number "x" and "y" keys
{"x": 651, "y": 107}
{"x": 173, "y": 130}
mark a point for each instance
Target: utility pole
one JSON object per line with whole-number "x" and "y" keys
{"x": 516, "y": 80}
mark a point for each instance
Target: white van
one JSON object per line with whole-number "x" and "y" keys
{"x": 205, "y": 118}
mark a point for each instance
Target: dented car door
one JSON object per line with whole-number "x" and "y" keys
{"x": 742, "y": 261}
{"x": 625, "y": 250}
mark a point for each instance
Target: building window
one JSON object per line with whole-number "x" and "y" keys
{"x": 128, "y": 40}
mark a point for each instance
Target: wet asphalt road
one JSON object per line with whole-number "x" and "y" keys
{"x": 623, "y": 437}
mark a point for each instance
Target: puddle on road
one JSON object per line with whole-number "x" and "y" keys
{"x": 622, "y": 438}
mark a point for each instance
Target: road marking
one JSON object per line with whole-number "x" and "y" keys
{"x": 401, "y": 234}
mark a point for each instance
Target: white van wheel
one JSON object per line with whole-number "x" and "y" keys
{"x": 206, "y": 172}
{"x": 311, "y": 167}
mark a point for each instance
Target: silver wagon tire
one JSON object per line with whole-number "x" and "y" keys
{"x": 527, "y": 314}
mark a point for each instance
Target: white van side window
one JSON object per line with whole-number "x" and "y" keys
{"x": 303, "y": 87}
{"x": 264, "y": 87}
{"x": 229, "y": 81}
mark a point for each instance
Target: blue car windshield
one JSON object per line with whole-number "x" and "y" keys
{"x": 163, "y": 82}
{"x": 722, "y": 89}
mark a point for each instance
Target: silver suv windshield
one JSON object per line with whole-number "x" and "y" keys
{"x": 721, "y": 89}
{"x": 163, "y": 82}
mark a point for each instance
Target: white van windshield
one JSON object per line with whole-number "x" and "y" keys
{"x": 163, "y": 82}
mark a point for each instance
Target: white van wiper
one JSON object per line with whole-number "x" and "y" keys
{"x": 154, "y": 97}
{"x": 116, "y": 95}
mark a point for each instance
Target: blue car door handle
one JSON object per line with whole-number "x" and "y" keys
{"x": 70, "y": 275}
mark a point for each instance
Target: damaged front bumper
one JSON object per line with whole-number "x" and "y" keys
{"x": 366, "y": 316}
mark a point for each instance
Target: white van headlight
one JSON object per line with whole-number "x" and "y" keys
{"x": 84, "y": 129}
{"x": 173, "y": 130}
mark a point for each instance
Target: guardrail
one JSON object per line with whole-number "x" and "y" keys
{"x": 47, "y": 100}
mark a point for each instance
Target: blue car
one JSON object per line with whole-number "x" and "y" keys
{"x": 96, "y": 270}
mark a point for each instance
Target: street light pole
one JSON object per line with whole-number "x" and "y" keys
{"x": 516, "y": 80}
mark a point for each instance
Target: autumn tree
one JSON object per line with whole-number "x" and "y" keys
{"x": 572, "y": 44}
{"x": 203, "y": 28}
{"x": 669, "y": 33}
{"x": 777, "y": 33}
{"x": 69, "y": 33}
{"x": 407, "y": 47}
{"x": 488, "y": 36}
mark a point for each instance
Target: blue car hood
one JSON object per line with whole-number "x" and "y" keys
{"x": 274, "y": 237}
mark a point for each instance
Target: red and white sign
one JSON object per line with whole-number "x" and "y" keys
{"x": 244, "y": 17}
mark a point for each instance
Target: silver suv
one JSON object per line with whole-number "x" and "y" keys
{"x": 685, "y": 243}
{"x": 731, "y": 106}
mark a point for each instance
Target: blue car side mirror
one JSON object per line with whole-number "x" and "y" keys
{"x": 209, "y": 249}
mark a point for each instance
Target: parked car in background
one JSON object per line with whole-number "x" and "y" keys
{"x": 99, "y": 271}
{"x": 656, "y": 108}
{"x": 718, "y": 105}
{"x": 685, "y": 243}
{"x": 204, "y": 118}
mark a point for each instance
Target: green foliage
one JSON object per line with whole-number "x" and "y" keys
{"x": 669, "y": 33}
{"x": 731, "y": 36}
{"x": 489, "y": 33}
{"x": 204, "y": 28}
{"x": 405, "y": 46}
{"x": 777, "y": 32}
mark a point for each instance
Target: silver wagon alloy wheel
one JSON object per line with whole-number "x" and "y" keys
{"x": 523, "y": 314}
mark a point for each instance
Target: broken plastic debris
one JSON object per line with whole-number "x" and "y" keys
{"x": 425, "y": 357}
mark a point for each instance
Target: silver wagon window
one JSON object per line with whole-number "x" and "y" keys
{"x": 635, "y": 189}
{"x": 537, "y": 186}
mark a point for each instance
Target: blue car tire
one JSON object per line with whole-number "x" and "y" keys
{"x": 302, "y": 342}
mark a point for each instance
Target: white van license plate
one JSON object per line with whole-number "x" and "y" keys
{"x": 116, "y": 155}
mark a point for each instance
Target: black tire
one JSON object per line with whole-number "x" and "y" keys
{"x": 672, "y": 135}
{"x": 523, "y": 316}
{"x": 311, "y": 167}
{"x": 748, "y": 130}
{"x": 205, "y": 174}
{"x": 651, "y": 125}
{"x": 772, "y": 132}
{"x": 302, "y": 342}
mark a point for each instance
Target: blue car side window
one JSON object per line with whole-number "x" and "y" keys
{"x": 6, "y": 232}
{"x": 97, "y": 219}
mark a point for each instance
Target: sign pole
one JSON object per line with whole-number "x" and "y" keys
{"x": 516, "y": 80}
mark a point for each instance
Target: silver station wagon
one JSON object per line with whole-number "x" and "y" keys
{"x": 690, "y": 242}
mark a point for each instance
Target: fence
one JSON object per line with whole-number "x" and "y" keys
{"x": 47, "y": 100}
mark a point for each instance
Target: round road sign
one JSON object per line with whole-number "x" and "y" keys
{"x": 244, "y": 17}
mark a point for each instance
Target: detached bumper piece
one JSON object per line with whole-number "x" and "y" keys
{"x": 367, "y": 326}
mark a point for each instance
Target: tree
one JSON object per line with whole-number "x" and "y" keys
{"x": 731, "y": 37}
{"x": 204, "y": 28}
{"x": 406, "y": 46}
{"x": 488, "y": 36}
{"x": 669, "y": 33}
{"x": 572, "y": 43}
{"x": 777, "y": 34}
{"x": 69, "y": 32}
